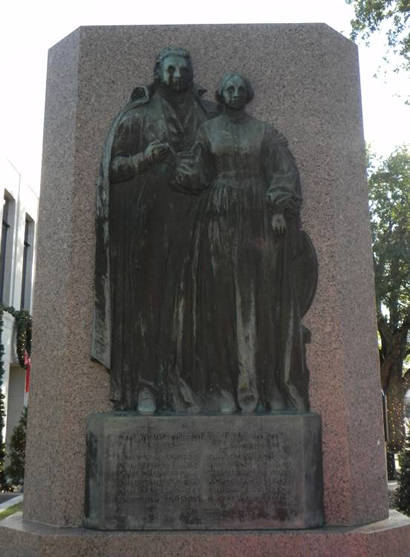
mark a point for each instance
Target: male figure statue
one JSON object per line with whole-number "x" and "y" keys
{"x": 143, "y": 231}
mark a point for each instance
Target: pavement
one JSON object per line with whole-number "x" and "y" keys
{"x": 9, "y": 499}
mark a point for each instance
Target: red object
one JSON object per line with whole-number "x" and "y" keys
{"x": 27, "y": 365}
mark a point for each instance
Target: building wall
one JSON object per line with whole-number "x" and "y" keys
{"x": 23, "y": 204}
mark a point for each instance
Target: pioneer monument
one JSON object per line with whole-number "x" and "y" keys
{"x": 203, "y": 273}
{"x": 229, "y": 458}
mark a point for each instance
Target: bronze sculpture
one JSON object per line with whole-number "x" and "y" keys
{"x": 242, "y": 301}
{"x": 139, "y": 232}
{"x": 202, "y": 270}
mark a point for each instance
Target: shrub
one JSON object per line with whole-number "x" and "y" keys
{"x": 402, "y": 498}
{"x": 15, "y": 470}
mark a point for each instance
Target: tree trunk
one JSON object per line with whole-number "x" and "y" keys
{"x": 395, "y": 412}
{"x": 391, "y": 466}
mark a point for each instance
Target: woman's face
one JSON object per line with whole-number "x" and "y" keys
{"x": 234, "y": 93}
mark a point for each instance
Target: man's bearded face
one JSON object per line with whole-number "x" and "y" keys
{"x": 176, "y": 73}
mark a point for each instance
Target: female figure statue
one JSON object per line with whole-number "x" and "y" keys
{"x": 244, "y": 293}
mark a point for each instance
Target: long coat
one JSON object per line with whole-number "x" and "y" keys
{"x": 141, "y": 229}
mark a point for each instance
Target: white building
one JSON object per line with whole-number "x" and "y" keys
{"x": 18, "y": 212}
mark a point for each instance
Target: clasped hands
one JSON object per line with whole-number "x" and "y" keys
{"x": 156, "y": 151}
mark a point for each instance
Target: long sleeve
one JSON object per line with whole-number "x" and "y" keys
{"x": 283, "y": 193}
{"x": 126, "y": 159}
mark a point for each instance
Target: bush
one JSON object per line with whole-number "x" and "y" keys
{"x": 15, "y": 470}
{"x": 402, "y": 499}
{"x": 3, "y": 483}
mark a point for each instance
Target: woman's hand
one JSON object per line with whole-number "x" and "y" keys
{"x": 278, "y": 224}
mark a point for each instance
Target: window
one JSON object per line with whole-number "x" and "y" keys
{"x": 27, "y": 263}
{"x": 6, "y": 248}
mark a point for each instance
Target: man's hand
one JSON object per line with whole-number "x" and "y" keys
{"x": 156, "y": 151}
{"x": 278, "y": 224}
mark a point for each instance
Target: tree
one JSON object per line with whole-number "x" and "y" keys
{"x": 389, "y": 193}
{"x": 3, "y": 484}
{"x": 2, "y": 444}
{"x": 402, "y": 495}
{"x": 15, "y": 470}
{"x": 23, "y": 348}
{"x": 392, "y": 15}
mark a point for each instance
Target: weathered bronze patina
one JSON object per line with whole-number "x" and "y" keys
{"x": 143, "y": 229}
{"x": 203, "y": 272}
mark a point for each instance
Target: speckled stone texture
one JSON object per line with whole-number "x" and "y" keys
{"x": 306, "y": 82}
{"x": 388, "y": 538}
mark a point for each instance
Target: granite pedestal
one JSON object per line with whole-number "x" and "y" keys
{"x": 203, "y": 472}
{"x": 306, "y": 82}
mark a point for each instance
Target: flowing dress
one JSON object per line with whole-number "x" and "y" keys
{"x": 238, "y": 316}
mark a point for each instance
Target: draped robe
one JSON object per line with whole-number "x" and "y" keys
{"x": 142, "y": 231}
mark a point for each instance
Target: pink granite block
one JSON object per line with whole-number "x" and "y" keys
{"x": 306, "y": 82}
{"x": 388, "y": 538}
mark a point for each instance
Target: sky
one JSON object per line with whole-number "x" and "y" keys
{"x": 30, "y": 28}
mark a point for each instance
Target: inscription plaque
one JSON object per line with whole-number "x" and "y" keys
{"x": 206, "y": 472}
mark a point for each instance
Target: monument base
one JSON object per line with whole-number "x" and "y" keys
{"x": 380, "y": 539}
{"x": 203, "y": 472}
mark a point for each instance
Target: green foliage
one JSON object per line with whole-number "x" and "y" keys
{"x": 391, "y": 15}
{"x": 389, "y": 194}
{"x": 24, "y": 328}
{"x": 389, "y": 185}
{"x": 402, "y": 496}
{"x": 15, "y": 470}
{"x": 11, "y": 510}
{"x": 3, "y": 484}
{"x": 2, "y": 444}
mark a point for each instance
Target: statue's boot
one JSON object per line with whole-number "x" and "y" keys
{"x": 248, "y": 403}
{"x": 277, "y": 402}
{"x": 146, "y": 402}
{"x": 227, "y": 404}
